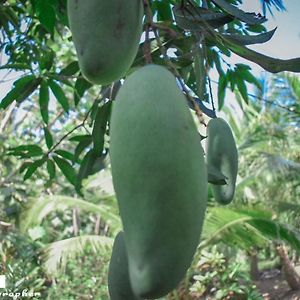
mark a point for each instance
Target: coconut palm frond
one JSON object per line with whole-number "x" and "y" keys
{"x": 245, "y": 228}
{"x": 39, "y": 208}
{"x": 269, "y": 4}
{"x": 57, "y": 254}
{"x": 278, "y": 164}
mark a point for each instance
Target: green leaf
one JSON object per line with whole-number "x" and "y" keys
{"x": 51, "y": 169}
{"x": 223, "y": 81}
{"x": 26, "y": 151}
{"x": 71, "y": 69}
{"x": 81, "y": 86}
{"x": 270, "y": 64}
{"x": 66, "y": 169}
{"x": 48, "y": 138}
{"x": 215, "y": 176}
{"x": 59, "y": 94}
{"x": 44, "y": 101}
{"x": 46, "y": 15}
{"x": 80, "y": 138}
{"x": 33, "y": 167}
{"x": 22, "y": 89}
{"x": 80, "y": 147}
{"x": 87, "y": 167}
{"x": 249, "y": 18}
{"x": 250, "y": 39}
{"x": 16, "y": 66}
{"x": 65, "y": 154}
{"x": 242, "y": 88}
{"x": 99, "y": 128}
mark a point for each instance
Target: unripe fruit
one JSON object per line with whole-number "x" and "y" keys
{"x": 160, "y": 179}
{"x": 106, "y": 34}
{"x": 221, "y": 153}
{"x": 118, "y": 277}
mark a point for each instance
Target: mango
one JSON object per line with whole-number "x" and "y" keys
{"x": 118, "y": 277}
{"x": 160, "y": 179}
{"x": 221, "y": 154}
{"x": 106, "y": 35}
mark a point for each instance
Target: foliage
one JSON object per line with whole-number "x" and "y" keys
{"x": 224, "y": 280}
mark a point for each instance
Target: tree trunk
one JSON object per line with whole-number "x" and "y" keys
{"x": 254, "y": 271}
{"x": 290, "y": 273}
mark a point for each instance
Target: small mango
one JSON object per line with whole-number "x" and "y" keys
{"x": 160, "y": 179}
{"x": 222, "y": 155}
{"x": 119, "y": 286}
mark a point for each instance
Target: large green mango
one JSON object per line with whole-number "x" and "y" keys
{"x": 159, "y": 175}
{"x": 106, "y": 34}
{"x": 221, "y": 154}
{"x": 118, "y": 277}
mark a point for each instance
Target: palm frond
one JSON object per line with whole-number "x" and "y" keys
{"x": 245, "y": 228}
{"x": 39, "y": 208}
{"x": 57, "y": 254}
{"x": 268, "y": 4}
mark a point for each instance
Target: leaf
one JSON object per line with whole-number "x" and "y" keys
{"x": 48, "y": 138}
{"x": 59, "y": 95}
{"x": 71, "y": 69}
{"x": 46, "y": 15}
{"x": 16, "y": 66}
{"x": 223, "y": 81}
{"x": 215, "y": 176}
{"x": 26, "y": 151}
{"x": 51, "y": 169}
{"x": 86, "y": 168}
{"x": 22, "y": 89}
{"x": 44, "y": 101}
{"x": 80, "y": 138}
{"x": 80, "y": 147}
{"x": 66, "y": 169}
{"x": 32, "y": 168}
{"x": 65, "y": 154}
{"x": 193, "y": 18}
{"x": 81, "y": 86}
{"x": 273, "y": 65}
{"x": 248, "y": 18}
{"x": 242, "y": 88}
{"x": 250, "y": 39}
{"x": 99, "y": 128}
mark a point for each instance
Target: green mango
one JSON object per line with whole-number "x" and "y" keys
{"x": 160, "y": 179}
{"x": 106, "y": 34}
{"x": 221, "y": 154}
{"x": 118, "y": 277}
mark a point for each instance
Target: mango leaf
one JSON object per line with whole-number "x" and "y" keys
{"x": 59, "y": 94}
{"x": 250, "y": 39}
{"x": 82, "y": 137}
{"x": 215, "y": 176}
{"x": 46, "y": 15}
{"x": 44, "y": 101}
{"x": 66, "y": 169}
{"x": 81, "y": 86}
{"x": 22, "y": 89}
{"x": 91, "y": 163}
{"x": 249, "y": 18}
{"x": 16, "y": 66}
{"x": 48, "y": 138}
{"x": 26, "y": 151}
{"x": 223, "y": 81}
{"x": 51, "y": 169}
{"x": 33, "y": 167}
{"x": 71, "y": 69}
{"x": 273, "y": 65}
{"x": 242, "y": 88}
{"x": 65, "y": 154}
{"x": 99, "y": 127}
{"x": 80, "y": 147}
{"x": 193, "y": 18}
